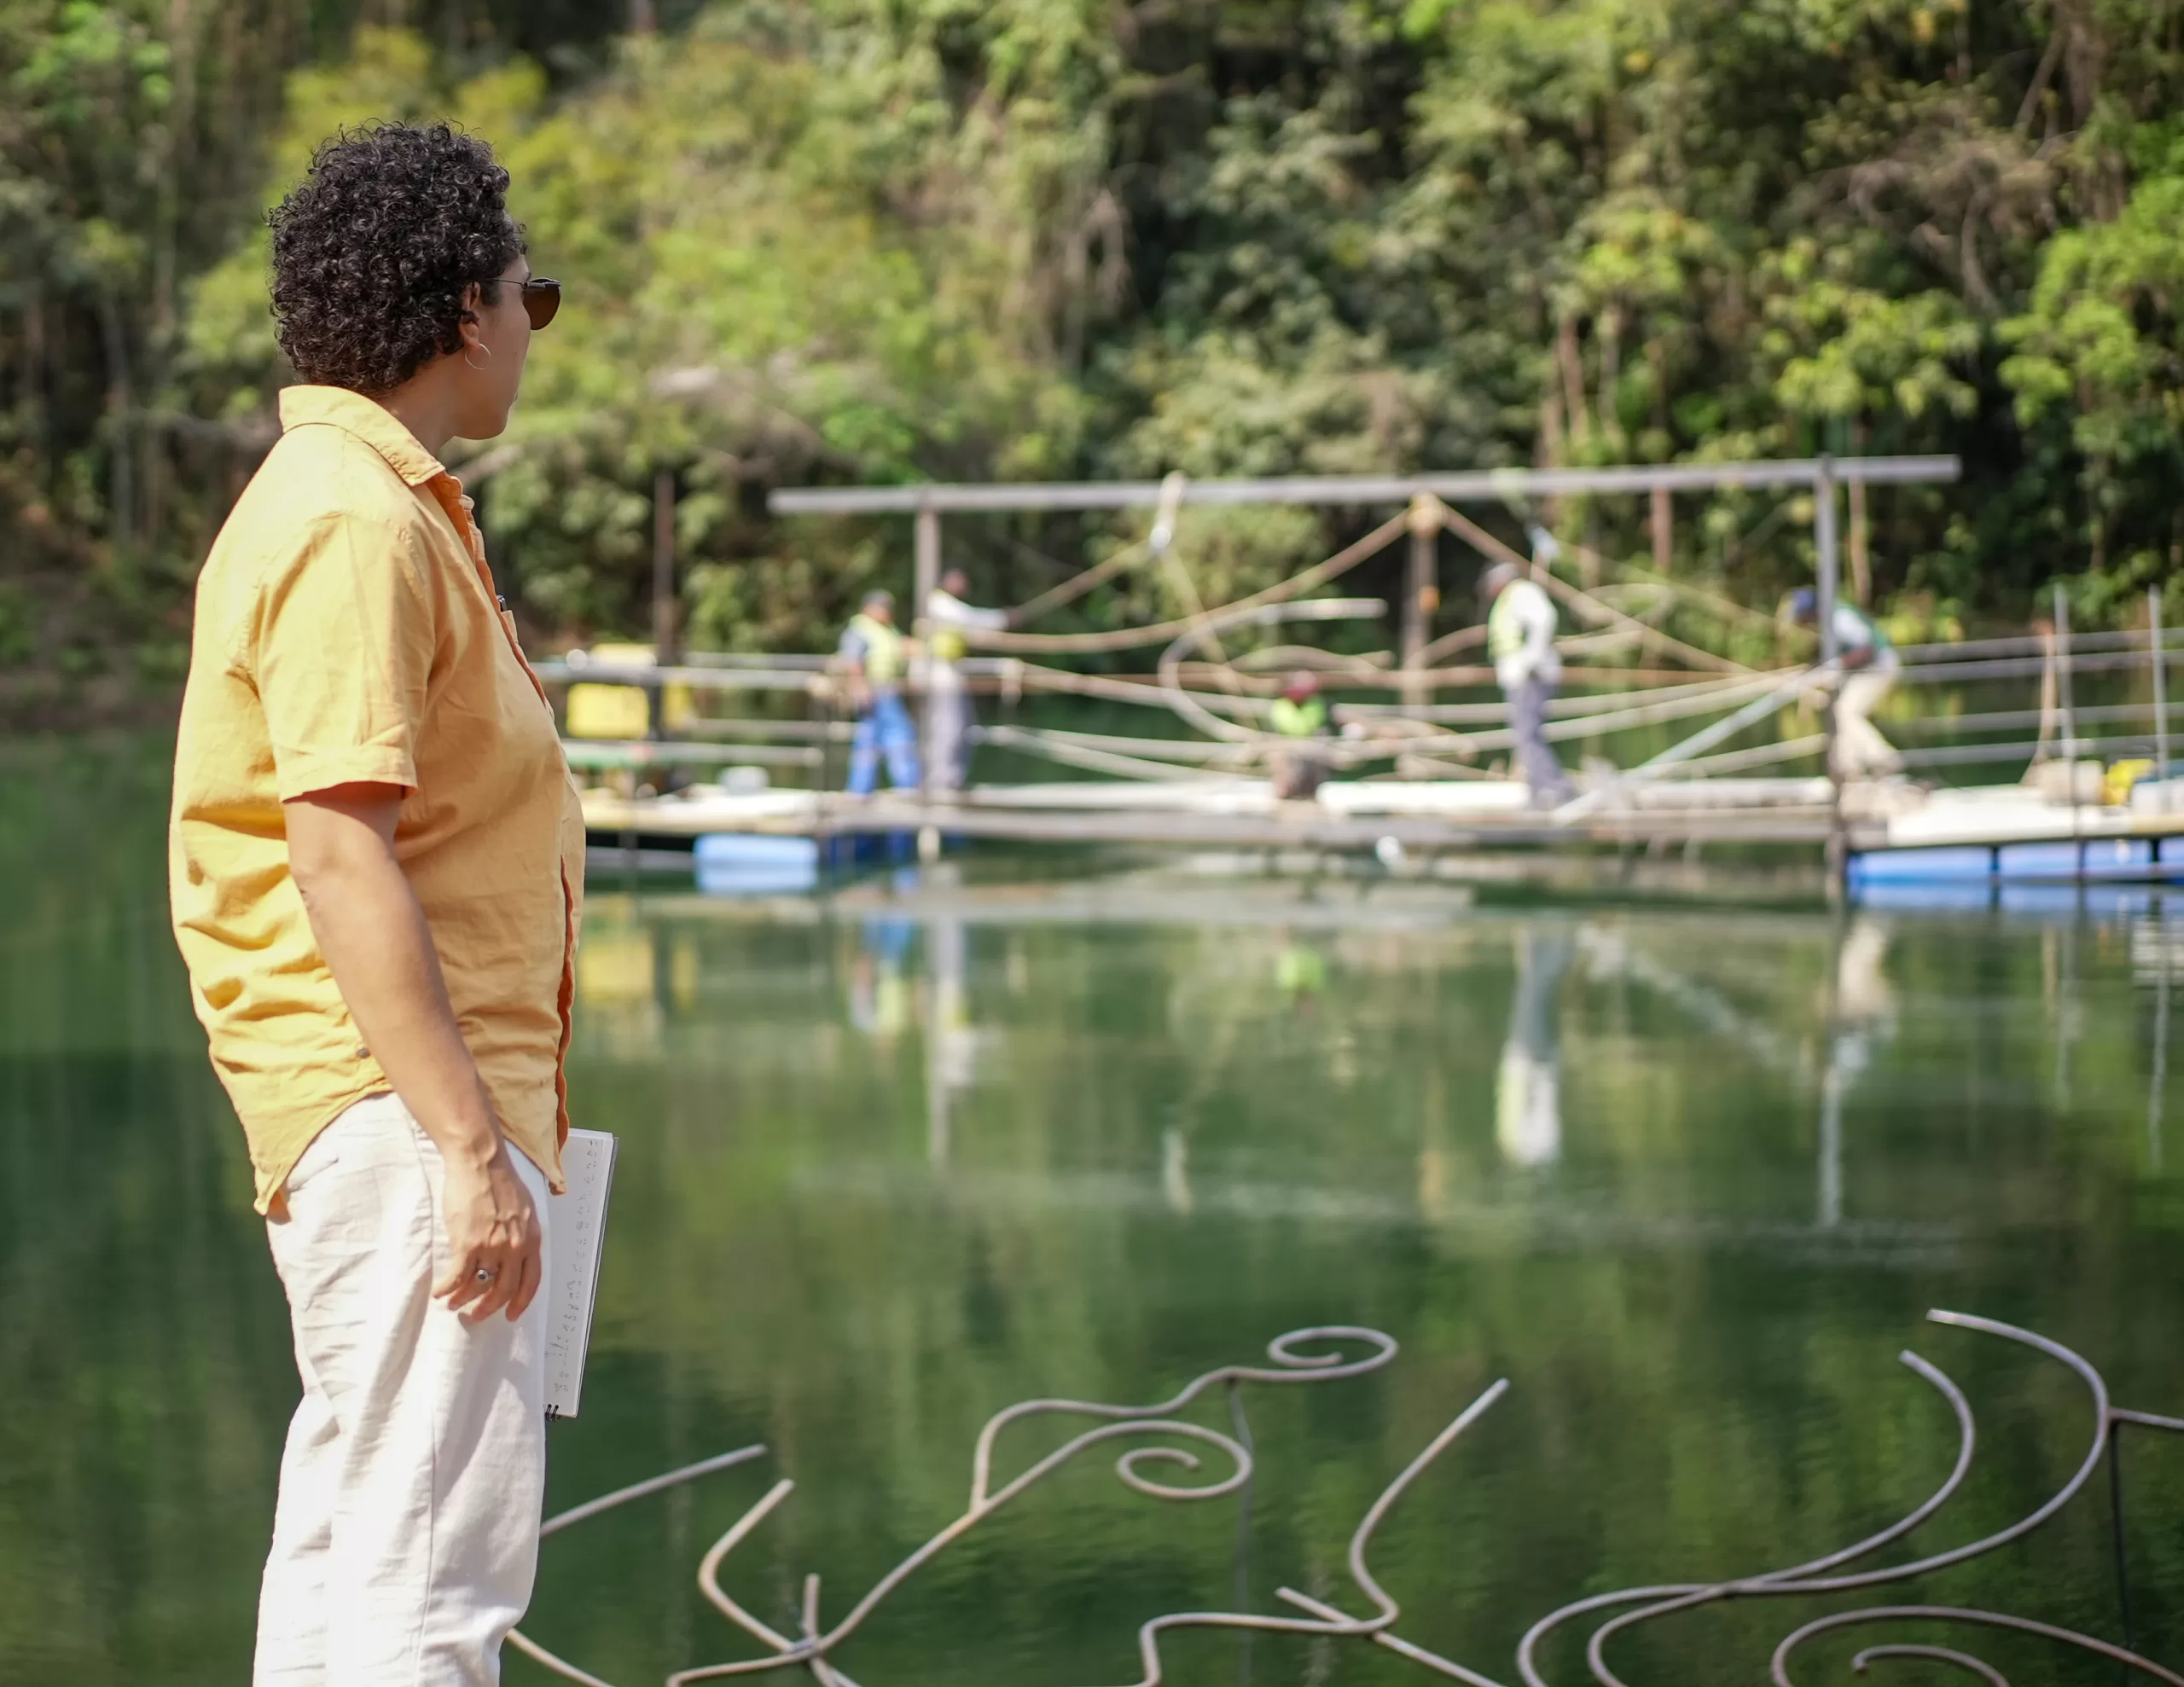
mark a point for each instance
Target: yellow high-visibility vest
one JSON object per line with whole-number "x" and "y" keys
{"x": 883, "y": 649}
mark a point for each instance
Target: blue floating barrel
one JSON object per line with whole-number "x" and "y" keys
{"x": 2058, "y": 859}
{"x": 748, "y": 864}
{"x": 2118, "y": 857}
{"x": 1941, "y": 864}
{"x": 747, "y": 850}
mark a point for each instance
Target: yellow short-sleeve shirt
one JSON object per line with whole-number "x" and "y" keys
{"x": 347, "y": 631}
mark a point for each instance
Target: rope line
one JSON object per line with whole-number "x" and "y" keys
{"x": 1164, "y": 632}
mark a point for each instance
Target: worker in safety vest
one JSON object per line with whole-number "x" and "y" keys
{"x": 1520, "y": 639}
{"x": 1870, "y": 664}
{"x": 1299, "y": 714}
{"x": 948, "y": 715}
{"x": 873, "y": 656}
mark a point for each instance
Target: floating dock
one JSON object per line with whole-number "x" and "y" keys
{"x": 2005, "y": 831}
{"x": 1417, "y": 755}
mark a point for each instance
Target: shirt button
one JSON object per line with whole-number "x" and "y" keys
{"x": 363, "y": 1053}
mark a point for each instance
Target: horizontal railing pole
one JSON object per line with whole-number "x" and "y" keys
{"x": 609, "y": 755}
{"x": 1473, "y": 486}
{"x": 2010, "y": 667}
{"x": 2000, "y": 720}
{"x": 1954, "y": 755}
{"x": 697, "y": 679}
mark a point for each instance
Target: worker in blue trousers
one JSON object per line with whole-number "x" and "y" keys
{"x": 873, "y": 657}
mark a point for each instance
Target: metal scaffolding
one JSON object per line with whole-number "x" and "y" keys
{"x": 1473, "y": 486}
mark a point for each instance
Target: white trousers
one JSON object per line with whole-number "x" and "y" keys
{"x": 1861, "y": 752}
{"x": 949, "y": 717}
{"x": 406, "y": 1533}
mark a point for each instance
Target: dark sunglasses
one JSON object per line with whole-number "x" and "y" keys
{"x": 541, "y": 299}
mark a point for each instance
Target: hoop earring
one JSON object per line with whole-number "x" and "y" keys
{"x": 467, "y": 350}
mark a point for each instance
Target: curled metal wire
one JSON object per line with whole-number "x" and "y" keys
{"x": 1943, "y": 1655}
{"x": 1332, "y": 1353}
{"x": 1807, "y": 1579}
{"x": 2066, "y": 1637}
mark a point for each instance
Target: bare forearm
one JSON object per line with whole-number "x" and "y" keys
{"x": 374, "y": 937}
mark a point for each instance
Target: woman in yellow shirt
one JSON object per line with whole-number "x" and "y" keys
{"x": 376, "y": 860}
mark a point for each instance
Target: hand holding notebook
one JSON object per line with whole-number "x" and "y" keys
{"x": 578, "y": 1233}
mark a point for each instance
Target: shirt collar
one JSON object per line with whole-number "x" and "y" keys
{"x": 374, "y": 424}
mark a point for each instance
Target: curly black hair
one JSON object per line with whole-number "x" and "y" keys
{"x": 374, "y": 249}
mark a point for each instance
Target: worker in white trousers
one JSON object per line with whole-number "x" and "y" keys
{"x": 1870, "y": 665}
{"x": 1520, "y": 627}
{"x": 948, "y": 715}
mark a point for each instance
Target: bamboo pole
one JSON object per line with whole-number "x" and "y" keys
{"x": 1422, "y": 593}
{"x": 1185, "y": 583}
{"x": 1077, "y": 584}
{"x": 1823, "y": 526}
{"x": 2069, "y": 717}
{"x": 925, "y": 581}
{"x": 2160, "y": 702}
{"x": 1705, "y": 739}
{"x": 2063, "y": 687}
{"x": 662, "y": 596}
{"x": 1469, "y": 530}
{"x": 1132, "y": 638}
{"x": 1861, "y": 569}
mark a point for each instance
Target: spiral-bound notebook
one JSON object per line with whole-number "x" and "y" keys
{"x": 579, "y": 1221}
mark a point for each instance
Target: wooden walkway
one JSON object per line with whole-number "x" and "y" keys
{"x": 1418, "y": 815}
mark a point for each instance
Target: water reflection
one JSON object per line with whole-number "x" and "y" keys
{"x": 952, "y": 1058}
{"x": 893, "y": 1161}
{"x": 1528, "y": 1090}
{"x": 1861, "y": 1015}
{"x": 1335, "y": 1015}
{"x": 882, "y": 1001}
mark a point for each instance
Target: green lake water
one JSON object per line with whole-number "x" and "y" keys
{"x": 1688, "y": 1178}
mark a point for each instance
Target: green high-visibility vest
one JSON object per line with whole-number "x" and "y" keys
{"x": 883, "y": 649}
{"x": 1505, "y": 628}
{"x": 1300, "y": 719}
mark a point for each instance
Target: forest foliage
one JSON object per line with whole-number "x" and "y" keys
{"x": 891, "y": 240}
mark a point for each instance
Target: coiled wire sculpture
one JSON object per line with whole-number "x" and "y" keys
{"x": 1331, "y": 1353}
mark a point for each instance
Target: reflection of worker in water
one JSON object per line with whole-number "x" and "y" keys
{"x": 873, "y": 657}
{"x": 1869, "y": 669}
{"x": 1862, "y": 1016}
{"x": 879, "y": 993}
{"x": 952, "y": 1041}
{"x": 949, "y": 713}
{"x": 1528, "y": 1092}
{"x": 1300, "y": 973}
{"x": 1300, "y": 715}
{"x": 1520, "y": 639}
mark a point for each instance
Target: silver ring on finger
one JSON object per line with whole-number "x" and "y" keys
{"x": 486, "y": 1273}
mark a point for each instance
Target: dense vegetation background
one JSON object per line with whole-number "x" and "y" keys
{"x": 889, "y": 238}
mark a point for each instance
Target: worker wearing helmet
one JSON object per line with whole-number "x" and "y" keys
{"x": 873, "y": 657}
{"x": 949, "y": 717}
{"x": 1300, "y": 715}
{"x": 1870, "y": 664}
{"x": 1520, "y": 638}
